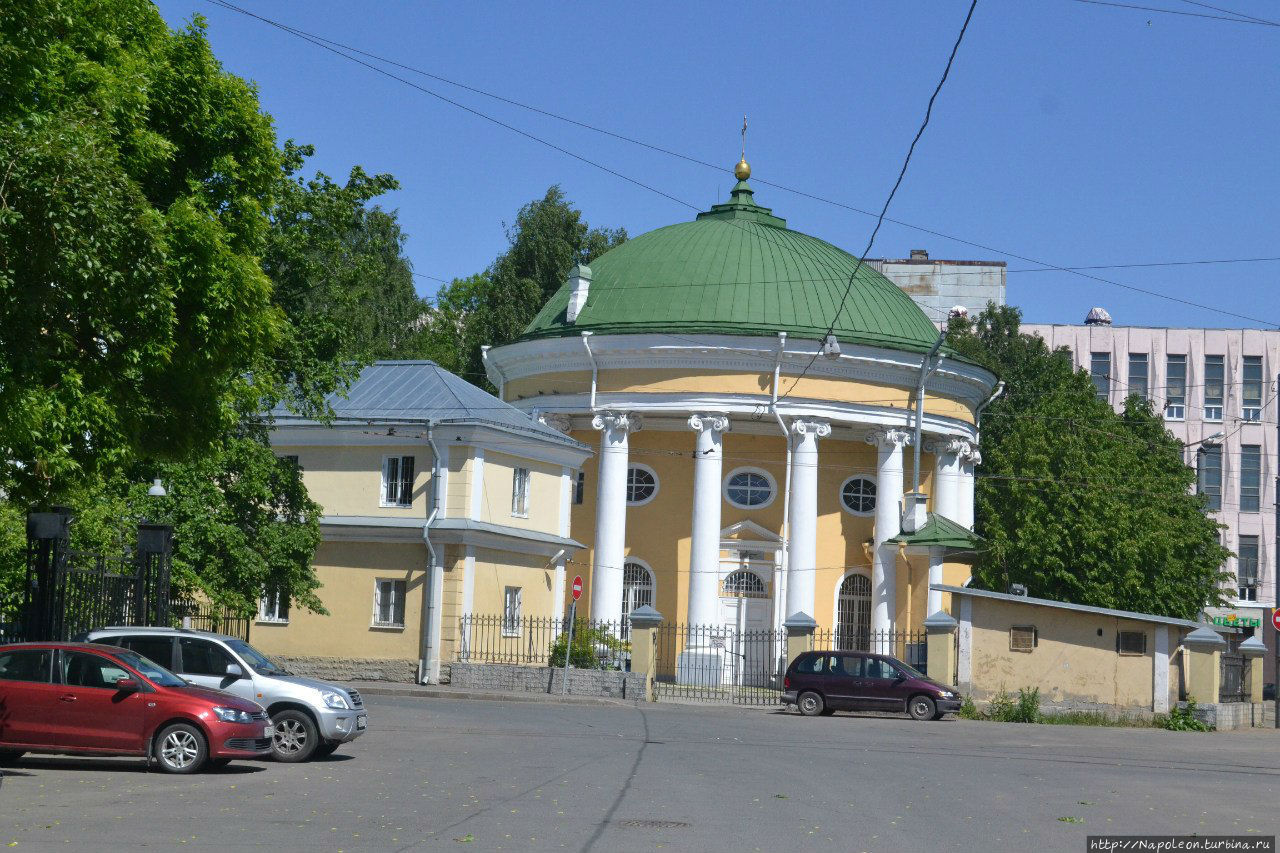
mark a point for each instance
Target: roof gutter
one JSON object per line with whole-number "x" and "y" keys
{"x": 493, "y": 366}
{"x": 977, "y": 415}
{"x": 433, "y": 589}
{"x": 595, "y": 371}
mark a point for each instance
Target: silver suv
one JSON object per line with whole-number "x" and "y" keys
{"x": 311, "y": 717}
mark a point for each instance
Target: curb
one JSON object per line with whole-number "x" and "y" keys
{"x": 490, "y": 696}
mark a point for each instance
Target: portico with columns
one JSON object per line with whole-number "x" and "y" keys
{"x": 769, "y": 479}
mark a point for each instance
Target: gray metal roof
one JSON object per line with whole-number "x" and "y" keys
{"x": 409, "y": 391}
{"x": 1066, "y": 605}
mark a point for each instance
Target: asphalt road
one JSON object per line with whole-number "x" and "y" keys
{"x": 458, "y": 775}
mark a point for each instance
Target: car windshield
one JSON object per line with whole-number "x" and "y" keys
{"x": 261, "y": 664}
{"x": 908, "y": 670}
{"x": 152, "y": 670}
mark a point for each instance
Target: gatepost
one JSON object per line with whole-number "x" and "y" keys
{"x": 1253, "y": 649}
{"x": 1204, "y": 664}
{"x": 800, "y": 628}
{"x": 644, "y": 641}
{"x": 941, "y": 660}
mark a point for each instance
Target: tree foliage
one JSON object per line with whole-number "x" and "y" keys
{"x": 548, "y": 238}
{"x": 1076, "y": 501}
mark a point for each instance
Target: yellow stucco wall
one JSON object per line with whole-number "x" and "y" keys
{"x": 685, "y": 380}
{"x": 347, "y": 572}
{"x": 544, "y": 493}
{"x": 1071, "y": 663}
{"x": 348, "y": 480}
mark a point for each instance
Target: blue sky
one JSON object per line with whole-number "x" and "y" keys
{"x": 1070, "y": 133}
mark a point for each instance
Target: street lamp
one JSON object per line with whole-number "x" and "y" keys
{"x": 1212, "y": 439}
{"x": 157, "y": 489}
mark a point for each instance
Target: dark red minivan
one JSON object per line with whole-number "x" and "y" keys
{"x": 826, "y": 682}
{"x": 89, "y": 699}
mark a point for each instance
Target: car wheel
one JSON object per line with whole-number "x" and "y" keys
{"x": 327, "y": 748}
{"x": 180, "y": 748}
{"x": 10, "y": 756}
{"x": 921, "y": 707}
{"x": 810, "y": 704}
{"x": 296, "y": 736}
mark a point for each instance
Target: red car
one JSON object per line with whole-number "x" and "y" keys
{"x": 89, "y": 699}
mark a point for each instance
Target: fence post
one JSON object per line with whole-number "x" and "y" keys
{"x": 1204, "y": 664}
{"x": 1253, "y": 649}
{"x": 155, "y": 544}
{"x": 48, "y": 535}
{"x": 800, "y": 628}
{"x": 940, "y": 660}
{"x": 644, "y": 643}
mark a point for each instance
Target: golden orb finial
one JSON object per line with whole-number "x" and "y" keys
{"x": 742, "y": 171}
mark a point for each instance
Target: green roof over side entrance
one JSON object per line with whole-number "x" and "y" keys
{"x": 943, "y": 532}
{"x": 737, "y": 270}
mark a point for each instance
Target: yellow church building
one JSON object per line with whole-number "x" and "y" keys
{"x": 752, "y": 393}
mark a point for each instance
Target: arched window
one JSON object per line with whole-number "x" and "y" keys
{"x": 858, "y": 494}
{"x": 642, "y": 484}
{"x": 853, "y": 613}
{"x": 637, "y": 590}
{"x": 744, "y": 584}
{"x": 748, "y": 488}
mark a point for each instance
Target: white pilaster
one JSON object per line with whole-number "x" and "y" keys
{"x": 936, "y": 555}
{"x": 970, "y": 459}
{"x": 964, "y": 645}
{"x": 704, "y": 558}
{"x": 611, "y": 514}
{"x": 884, "y": 559}
{"x": 1160, "y": 672}
{"x": 802, "y": 558}
{"x": 566, "y": 508}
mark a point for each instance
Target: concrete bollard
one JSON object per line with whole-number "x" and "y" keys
{"x": 644, "y": 646}
{"x": 800, "y": 628}
{"x": 1204, "y": 664}
{"x": 941, "y": 628}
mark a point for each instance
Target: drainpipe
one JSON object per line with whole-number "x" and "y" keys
{"x": 977, "y": 415}
{"x": 491, "y": 365}
{"x": 586, "y": 342}
{"x": 778, "y": 615}
{"x": 429, "y": 666}
{"x": 925, "y": 370}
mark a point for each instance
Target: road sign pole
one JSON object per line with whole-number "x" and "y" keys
{"x": 568, "y": 648}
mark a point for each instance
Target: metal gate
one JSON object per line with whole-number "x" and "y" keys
{"x": 714, "y": 663}
{"x": 1234, "y": 678}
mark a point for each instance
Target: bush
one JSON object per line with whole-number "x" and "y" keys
{"x": 593, "y": 648}
{"x": 968, "y": 710}
{"x": 1005, "y": 709}
{"x": 1184, "y": 719}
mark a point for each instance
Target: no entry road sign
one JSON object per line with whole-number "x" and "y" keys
{"x": 577, "y": 587}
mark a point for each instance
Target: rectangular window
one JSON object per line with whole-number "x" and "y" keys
{"x": 1100, "y": 373}
{"x": 1023, "y": 638}
{"x": 397, "y": 481}
{"x": 388, "y": 603}
{"x": 1213, "y": 387}
{"x": 1138, "y": 374}
{"x": 1250, "y": 478}
{"x": 26, "y": 665}
{"x": 1175, "y": 403}
{"x": 273, "y": 607}
{"x": 1251, "y": 389}
{"x": 1131, "y": 643}
{"x": 579, "y": 487}
{"x": 291, "y": 458}
{"x": 1247, "y": 568}
{"x": 520, "y": 492}
{"x": 511, "y": 611}
{"x": 1209, "y": 476}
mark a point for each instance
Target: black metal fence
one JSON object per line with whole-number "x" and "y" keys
{"x": 714, "y": 663}
{"x": 542, "y": 641}
{"x": 1235, "y": 678}
{"x": 203, "y": 616}
{"x": 910, "y": 647}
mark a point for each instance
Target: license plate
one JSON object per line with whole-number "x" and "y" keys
{"x": 362, "y": 722}
{"x": 268, "y": 731}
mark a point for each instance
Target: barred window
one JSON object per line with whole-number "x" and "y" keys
{"x": 520, "y": 492}
{"x": 1131, "y": 643}
{"x": 1023, "y": 638}
{"x": 744, "y": 584}
{"x": 511, "y": 600}
{"x": 272, "y": 607}
{"x": 397, "y": 481}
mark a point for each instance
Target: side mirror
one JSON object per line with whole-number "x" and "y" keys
{"x": 234, "y": 671}
{"x": 128, "y": 685}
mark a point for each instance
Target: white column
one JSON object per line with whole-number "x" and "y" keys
{"x": 948, "y": 476}
{"x": 936, "y": 555}
{"x": 802, "y": 526}
{"x": 611, "y": 514}
{"x": 884, "y": 558}
{"x": 970, "y": 459}
{"x": 704, "y": 557}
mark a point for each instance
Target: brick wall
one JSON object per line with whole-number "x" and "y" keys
{"x": 540, "y": 679}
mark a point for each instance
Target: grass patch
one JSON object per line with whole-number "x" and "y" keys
{"x": 1025, "y": 708}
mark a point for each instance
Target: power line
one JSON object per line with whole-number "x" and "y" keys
{"x": 317, "y": 40}
{"x": 1229, "y": 12}
{"x": 1236, "y": 20}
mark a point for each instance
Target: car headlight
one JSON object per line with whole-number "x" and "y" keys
{"x": 232, "y": 715}
{"x": 335, "y": 700}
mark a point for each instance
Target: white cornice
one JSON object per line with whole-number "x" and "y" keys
{"x": 415, "y": 434}
{"x": 744, "y": 353}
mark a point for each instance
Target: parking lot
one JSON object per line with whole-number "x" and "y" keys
{"x": 448, "y": 773}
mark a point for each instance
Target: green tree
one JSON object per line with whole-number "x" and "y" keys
{"x": 135, "y": 176}
{"x": 1075, "y": 501}
{"x": 548, "y": 238}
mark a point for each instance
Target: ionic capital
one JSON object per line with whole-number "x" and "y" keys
{"x": 557, "y": 421}
{"x": 715, "y": 423}
{"x": 888, "y": 438}
{"x": 617, "y": 421}
{"x": 972, "y": 455}
{"x": 947, "y": 446}
{"x": 817, "y": 429}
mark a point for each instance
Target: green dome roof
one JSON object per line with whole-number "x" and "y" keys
{"x": 737, "y": 270}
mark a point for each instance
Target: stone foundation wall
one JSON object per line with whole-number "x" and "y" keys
{"x": 351, "y": 669}
{"x": 541, "y": 679}
{"x": 1225, "y": 716}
